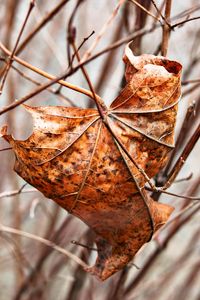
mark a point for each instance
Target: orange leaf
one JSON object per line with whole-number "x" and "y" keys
{"x": 96, "y": 168}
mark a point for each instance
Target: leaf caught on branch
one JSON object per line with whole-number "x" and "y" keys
{"x": 96, "y": 167}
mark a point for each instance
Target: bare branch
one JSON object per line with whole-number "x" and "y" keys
{"x": 166, "y": 29}
{"x": 172, "y": 194}
{"x": 182, "y": 158}
{"x": 176, "y": 224}
{"x": 184, "y": 21}
{"x": 42, "y": 23}
{"x": 146, "y": 10}
{"x": 45, "y": 242}
{"x": 49, "y": 76}
{"x": 102, "y": 31}
{"x": 31, "y": 6}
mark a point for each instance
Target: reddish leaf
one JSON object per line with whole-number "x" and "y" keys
{"x": 79, "y": 160}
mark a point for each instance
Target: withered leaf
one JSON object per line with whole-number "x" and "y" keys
{"x": 72, "y": 158}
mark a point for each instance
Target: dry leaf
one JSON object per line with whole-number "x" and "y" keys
{"x": 73, "y": 158}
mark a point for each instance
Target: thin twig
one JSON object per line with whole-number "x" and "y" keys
{"x": 182, "y": 134}
{"x": 84, "y": 246}
{"x": 102, "y": 31}
{"x": 50, "y": 90}
{"x": 191, "y": 89}
{"x": 172, "y": 194}
{"x": 140, "y": 20}
{"x": 17, "y": 192}
{"x": 40, "y": 89}
{"x": 5, "y": 149}
{"x": 70, "y": 64}
{"x": 108, "y": 62}
{"x": 81, "y": 45}
{"x": 160, "y": 13}
{"x": 47, "y": 75}
{"x": 56, "y": 237}
{"x": 71, "y": 31}
{"x": 146, "y": 10}
{"x": 188, "y": 12}
{"x": 184, "y": 21}
{"x": 31, "y": 6}
{"x": 166, "y": 29}
{"x": 42, "y": 23}
{"x": 45, "y": 242}
{"x": 182, "y": 158}
{"x": 177, "y": 223}
{"x": 184, "y": 179}
{"x": 66, "y": 84}
{"x": 100, "y": 104}
{"x": 185, "y": 82}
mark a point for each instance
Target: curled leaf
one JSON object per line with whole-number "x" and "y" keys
{"x": 73, "y": 158}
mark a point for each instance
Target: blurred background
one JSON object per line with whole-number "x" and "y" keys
{"x": 168, "y": 267}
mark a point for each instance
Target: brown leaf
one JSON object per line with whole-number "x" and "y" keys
{"x": 79, "y": 160}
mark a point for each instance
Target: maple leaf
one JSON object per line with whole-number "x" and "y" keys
{"x": 96, "y": 168}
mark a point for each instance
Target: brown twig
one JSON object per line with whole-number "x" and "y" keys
{"x": 146, "y": 11}
{"x": 166, "y": 29}
{"x": 84, "y": 246}
{"x": 182, "y": 158}
{"x": 187, "y": 12}
{"x": 191, "y": 190}
{"x": 42, "y": 23}
{"x": 71, "y": 59}
{"x": 185, "y": 82}
{"x": 177, "y": 223}
{"x": 99, "y": 103}
{"x": 190, "y": 90}
{"x": 160, "y": 13}
{"x": 17, "y": 192}
{"x": 102, "y": 31}
{"x": 71, "y": 31}
{"x": 5, "y": 149}
{"x": 31, "y": 6}
{"x": 184, "y": 21}
{"x": 140, "y": 21}
{"x": 52, "y": 91}
{"x": 45, "y": 86}
{"x": 182, "y": 134}
{"x": 172, "y": 194}
{"x": 168, "y": 274}
{"x": 49, "y": 76}
{"x": 115, "y": 45}
{"x": 56, "y": 237}
{"x": 184, "y": 178}
{"x": 45, "y": 242}
{"x": 108, "y": 63}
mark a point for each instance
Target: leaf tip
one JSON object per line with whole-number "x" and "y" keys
{"x": 3, "y": 131}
